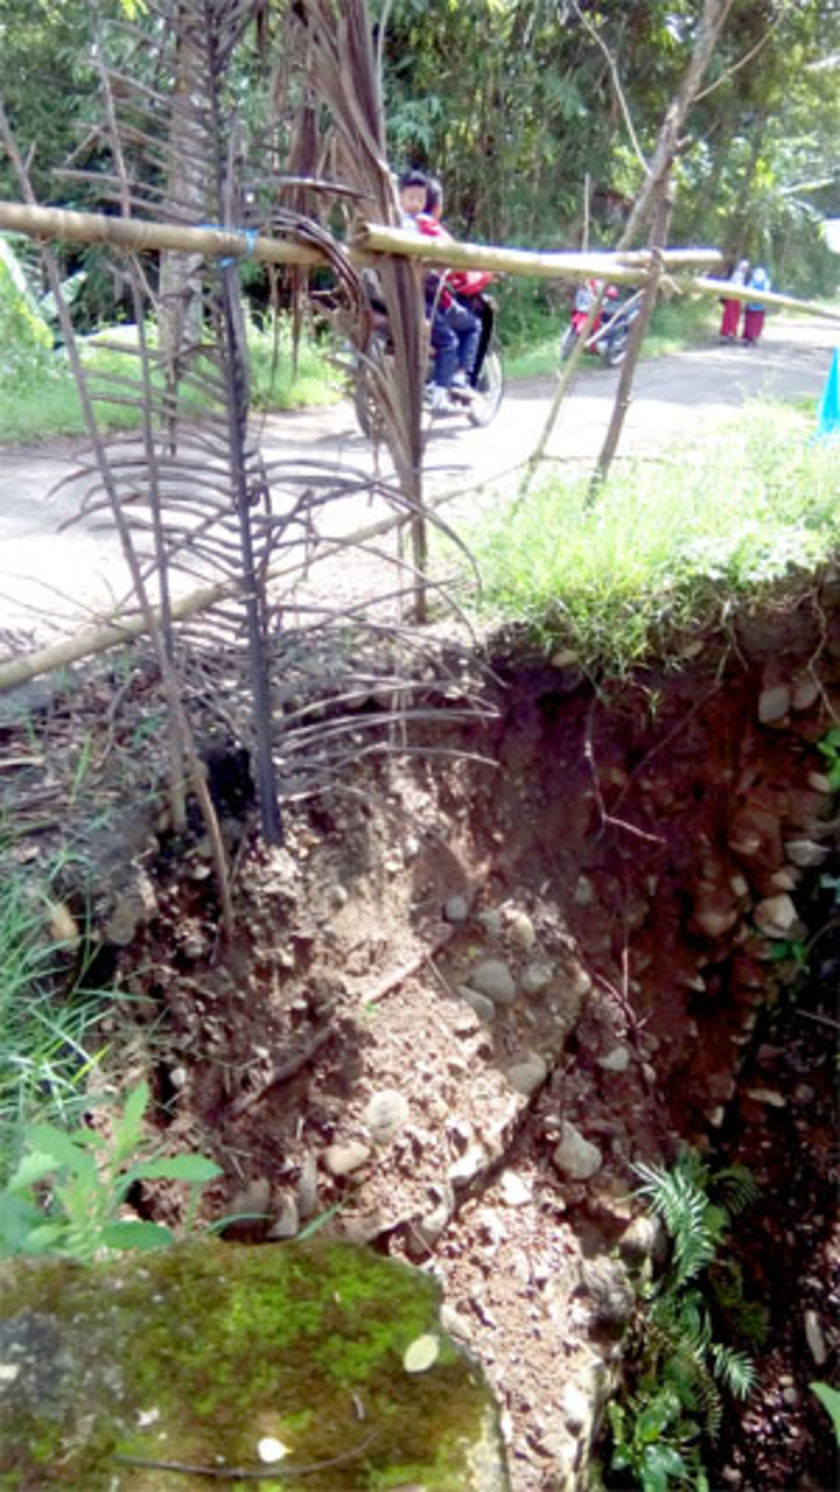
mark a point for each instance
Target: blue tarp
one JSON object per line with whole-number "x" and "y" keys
{"x": 828, "y": 421}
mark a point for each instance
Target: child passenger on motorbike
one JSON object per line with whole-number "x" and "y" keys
{"x": 413, "y": 186}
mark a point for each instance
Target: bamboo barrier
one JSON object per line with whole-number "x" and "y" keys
{"x": 627, "y": 268}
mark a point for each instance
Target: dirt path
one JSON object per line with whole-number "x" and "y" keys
{"x": 55, "y": 579}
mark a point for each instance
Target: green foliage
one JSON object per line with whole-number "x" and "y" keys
{"x": 677, "y": 1368}
{"x": 25, "y": 338}
{"x": 830, "y": 1399}
{"x": 48, "y": 403}
{"x": 48, "y": 1018}
{"x": 87, "y": 1179}
{"x": 665, "y": 547}
{"x": 829, "y": 747}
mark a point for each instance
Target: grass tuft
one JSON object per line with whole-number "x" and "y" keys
{"x": 665, "y": 546}
{"x": 47, "y": 1019}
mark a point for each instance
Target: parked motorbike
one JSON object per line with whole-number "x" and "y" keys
{"x": 479, "y": 400}
{"x": 610, "y": 332}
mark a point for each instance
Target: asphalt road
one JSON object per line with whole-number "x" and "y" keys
{"x": 55, "y": 579}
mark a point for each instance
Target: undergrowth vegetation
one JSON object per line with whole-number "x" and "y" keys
{"x": 664, "y": 546}
{"x": 676, "y": 1366}
{"x": 41, "y": 399}
{"x": 49, "y": 1039}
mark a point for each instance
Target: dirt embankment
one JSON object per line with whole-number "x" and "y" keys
{"x": 467, "y": 996}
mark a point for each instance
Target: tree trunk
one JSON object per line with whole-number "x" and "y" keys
{"x": 661, "y": 163}
{"x": 659, "y": 232}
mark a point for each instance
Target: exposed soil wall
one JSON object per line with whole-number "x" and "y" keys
{"x": 465, "y": 997}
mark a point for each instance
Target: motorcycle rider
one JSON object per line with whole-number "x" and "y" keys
{"x": 463, "y": 322}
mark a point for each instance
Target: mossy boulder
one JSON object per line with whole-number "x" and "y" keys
{"x": 213, "y": 1364}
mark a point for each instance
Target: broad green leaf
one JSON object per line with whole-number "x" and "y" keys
{"x": 127, "y": 1128}
{"x": 135, "y": 1235}
{"x": 43, "y": 1240}
{"x": 18, "y": 1218}
{"x": 830, "y": 1399}
{"x": 65, "y": 1152}
{"x": 664, "y": 1461}
{"x": 195, "y": 1168}
{"x": 33, "y": 1168}
{"x": 656, "y": 1416}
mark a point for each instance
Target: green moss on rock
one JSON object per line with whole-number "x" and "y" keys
{"x": 195, "y": 1354}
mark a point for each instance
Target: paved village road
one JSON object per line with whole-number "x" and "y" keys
{"x": 55, "y": 579}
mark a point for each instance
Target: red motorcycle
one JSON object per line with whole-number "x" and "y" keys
{"x": 610, "y": 331}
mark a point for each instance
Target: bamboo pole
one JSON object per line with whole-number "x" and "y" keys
{"x": 100, "y": 639}
{"x": 769, "y": 298}
{"x": 140, "y": 236}
{"x": 625, "y": 268}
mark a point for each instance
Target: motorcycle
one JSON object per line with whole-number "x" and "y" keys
{"x": 610, "y": 331}
{"x": 479, "y": 399}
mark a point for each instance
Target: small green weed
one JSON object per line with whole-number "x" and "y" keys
{"x": 677, "y": 1368}
{"x": 829, "y": 747}
{"x": 86, "y": 1179}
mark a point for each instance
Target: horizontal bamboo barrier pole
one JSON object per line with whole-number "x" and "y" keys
{"x": 113, "y": 634}
{"x": 768, "y": 298}
{"x": 139, "y": 235}
{"x": 627, "y": 269}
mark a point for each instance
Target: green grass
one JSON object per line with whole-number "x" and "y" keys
{"x": 46, "y": 404}
{"x": 47, "y": 1018}
{"x": 665, "y": 547}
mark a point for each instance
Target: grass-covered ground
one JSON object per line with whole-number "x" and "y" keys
{"x": 663, "y": 545}
{"x": 44, "y": 402}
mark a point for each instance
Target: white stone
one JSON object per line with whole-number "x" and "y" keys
{"x": 814, "y": 1337}
{"x": 576, "y": 1408}
{"x": 776, "y": 916}
{"x": 514, "y": 1191}
{"x": 618, "y": 1060}
{"x": 343, "y": 1159}
{"x": 526, "y": 1077}
{"x": 521, "y": 929}
{"x": 385, "y": 1115}
{"x": 494, "y": 979}
{"x": 773, "y": 703}
{"x": 806, "y": 852}
{"x": 270, "y": 1449}
{"x": 467, "y": 1167}
{"x": 574, "y": 1156}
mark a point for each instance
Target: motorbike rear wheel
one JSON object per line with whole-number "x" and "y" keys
{"x": 616, "y": 348}
{"x": 489, "y": 389}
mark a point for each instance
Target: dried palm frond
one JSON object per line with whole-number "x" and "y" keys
{"x": 193, "y": 496}
{"x": 339, "y": 66}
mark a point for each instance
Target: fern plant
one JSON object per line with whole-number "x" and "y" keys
{"x": 679, "y": 1369}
